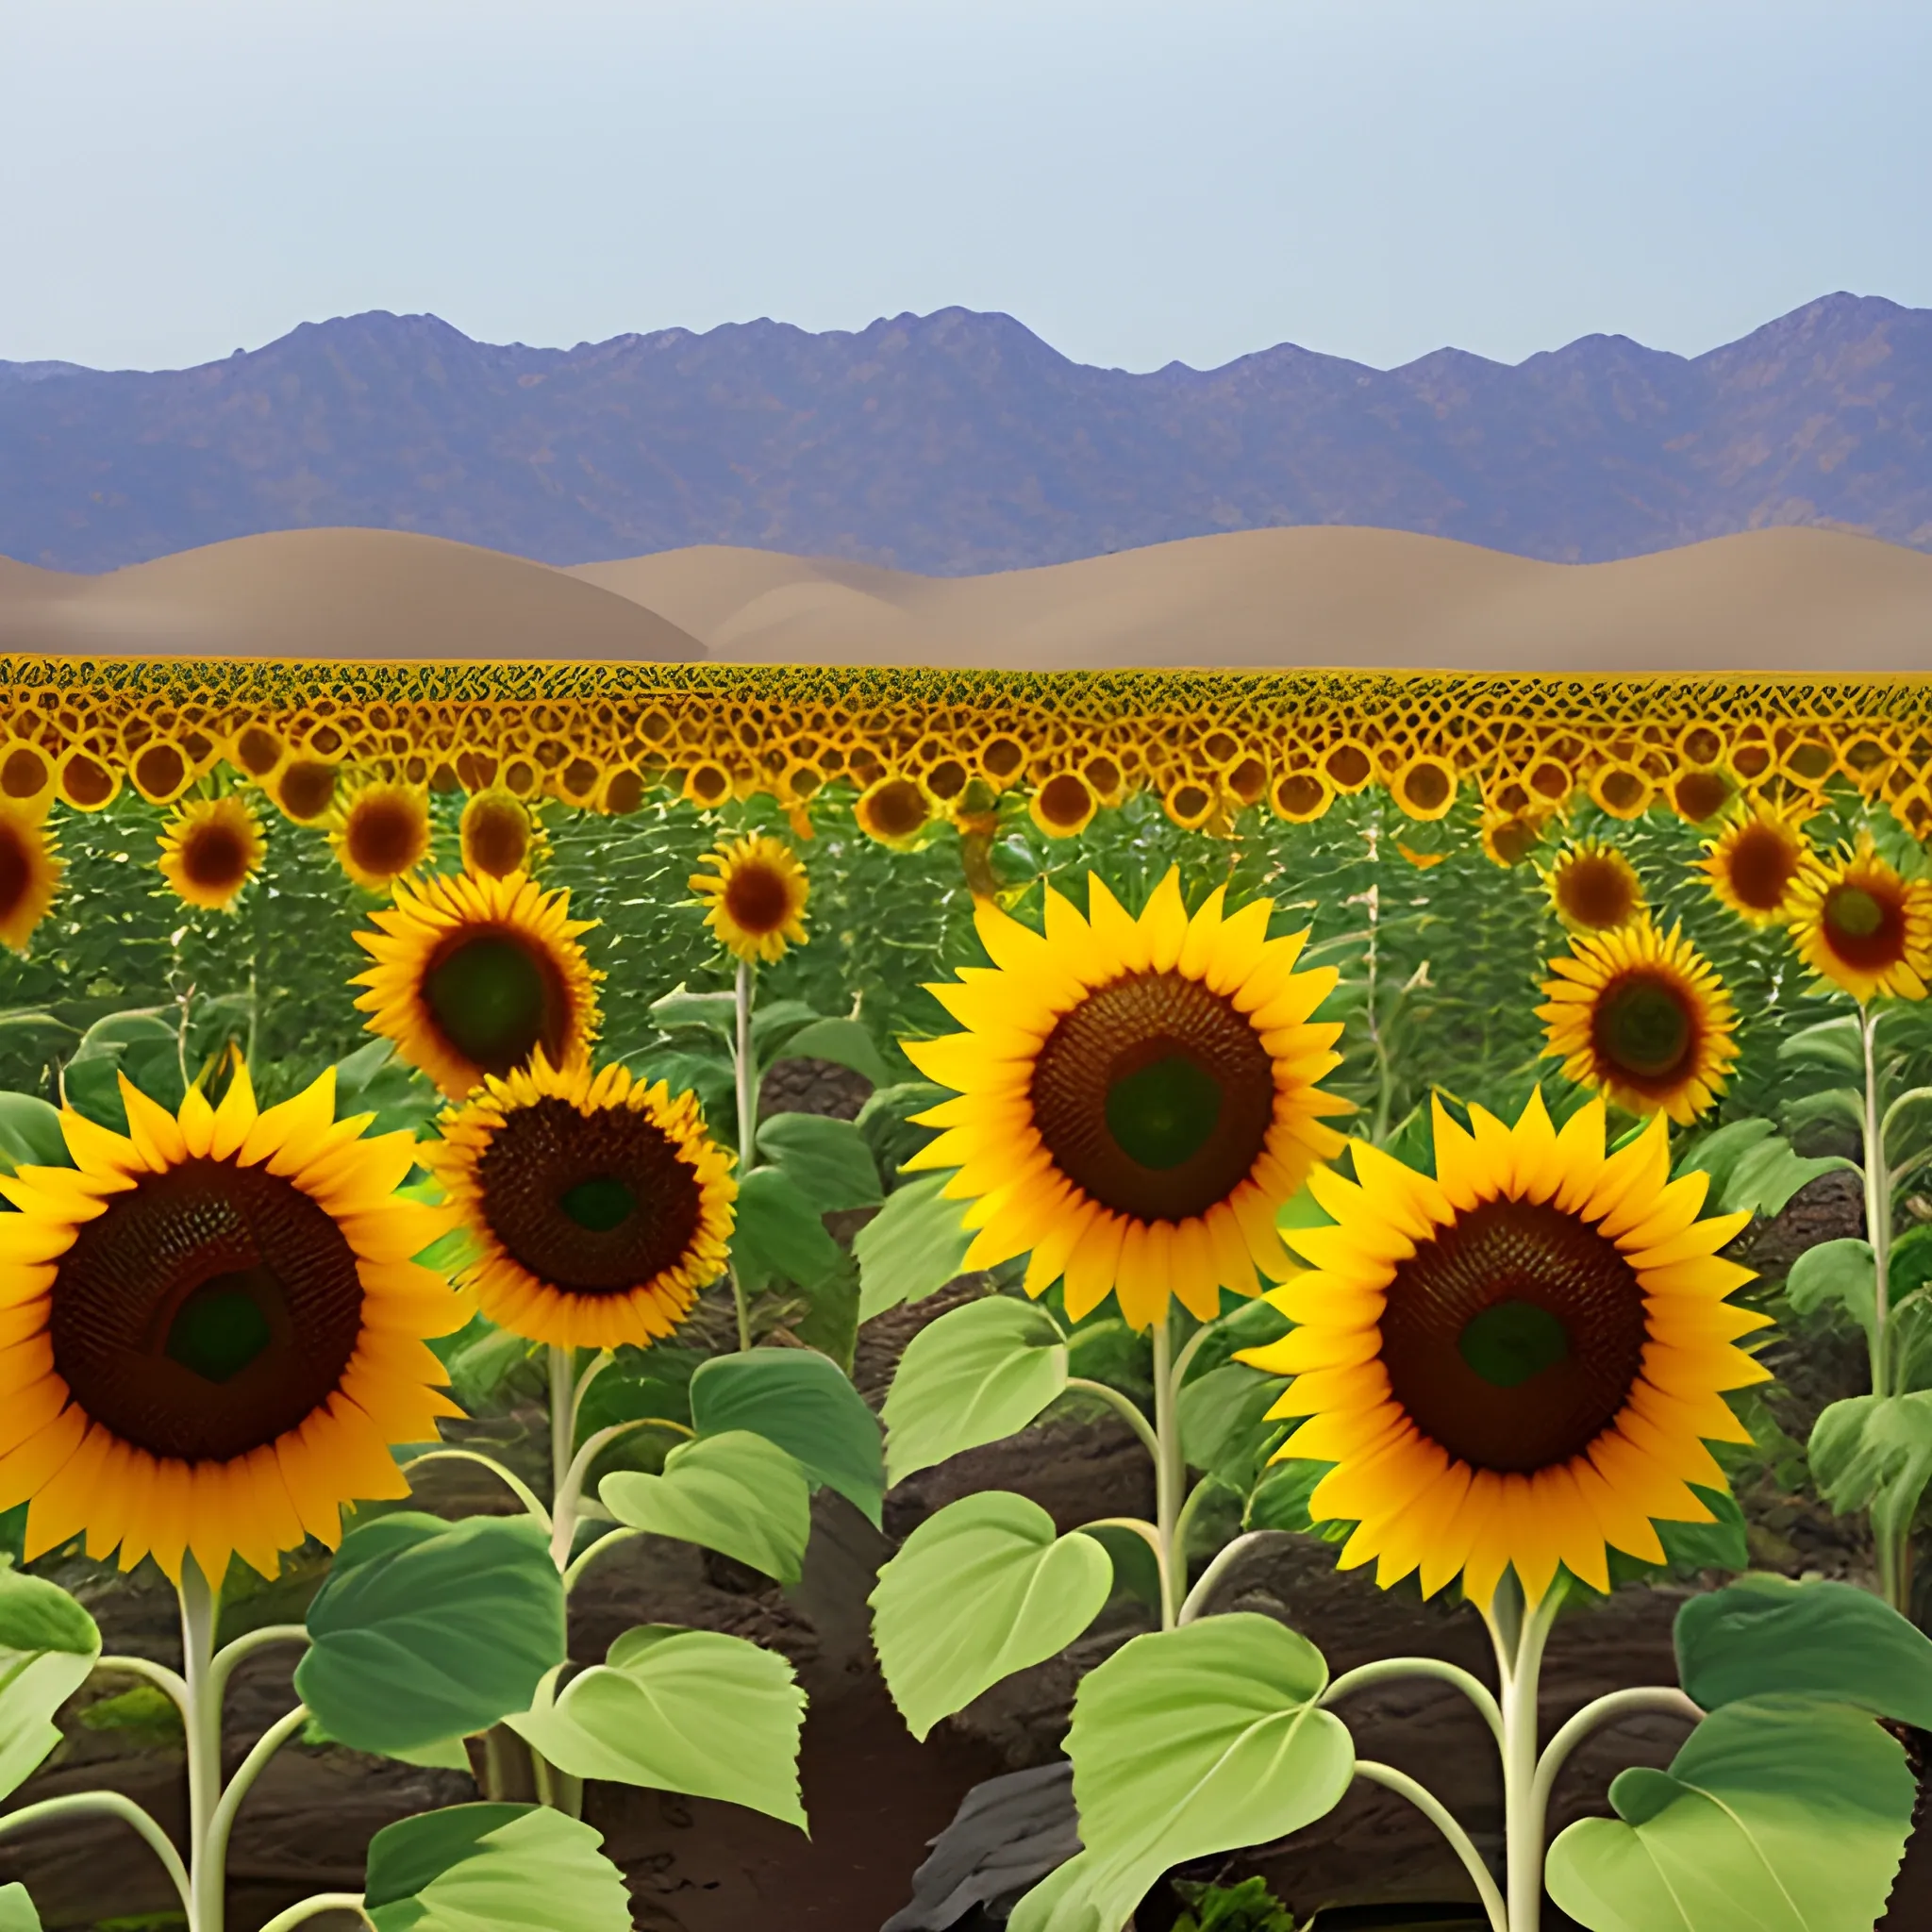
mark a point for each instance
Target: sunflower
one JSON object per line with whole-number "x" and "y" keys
{"x": 1642, "y": 1018}
{"x": 210, "y": 848}
{"x": 381, "y": 832}
{"x": 1754, "y": 865}
{"x": 473, "y": 976}
{"x": 758, "y": 898}
{"x": 1518, "y": 1362}
{"x": 894, "y": 811}
{"x": 213, "y": 1329}
{"x": 1862, "y": 926}
{"x": 1595, "y": 887}
{"x": 1511, "y": 837}
{"x": 498, "y": 834}
{"x": 602, "y": 1207}
{"x": 1136, "y": 1097}
{"x": 29, "y": 875}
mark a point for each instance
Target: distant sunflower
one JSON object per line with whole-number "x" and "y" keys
{"x": 499, "y": 835}
{"x": 1858, "y": 922}
{"x": 602, "y": 1207}
{"x": 1511, "y": 837}
{"x": 1518, "y": 1362}
{"x": 1643, "y": 1018}
{"x": 210, "y": 848}
{"x": 1595, "y": 887}
{"x": 894, "y": 811}
{"x": 29, "y": 875}
{"x": 473, "y": 977}
{"x": 381, "y": 832}
{"x": 1136, "y": 1097}
{"x": 1754, "y": 866}
{"x": 756, "y": 899}
{"x": 214, "y": 1329}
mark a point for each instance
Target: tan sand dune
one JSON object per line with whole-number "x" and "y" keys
{"x": 1799, "y": 600}
{"x": 331, "y": 594}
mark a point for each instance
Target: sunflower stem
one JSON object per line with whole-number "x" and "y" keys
{"x": 1519, "y": 1635}
{"x": 223, "y": 1666}
{"x": 1170, "y": 1470}
{"x": 1385, "y": 1668}
{"x": 568, "y": 1506}
{"x": 214, "y": 1851}
{"x": 203, "y": 1728}
{"x": 1443, "y": 1819}
{"x": 509, "y": 1477}
{"x": 746, "y": 1069}
{"x": 1894, "y": 1541}
{"x": 1124, "y": 1406}
{"x": 113, "y": 1805}
{"x": 1666, "y": 1698}
{"x": 314, "y": 1906}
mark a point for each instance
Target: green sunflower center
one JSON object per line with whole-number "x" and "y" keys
{"x": 1644, "y": 1027}
{"x": 1154, "y": 1095}
{"x": 1513, "y": 1336}
{"x": 494, "y": 1000}
{"x": 205, "y": 1311}
{"x": 1855, "y": 913}
{"x": 589, "y": 1204}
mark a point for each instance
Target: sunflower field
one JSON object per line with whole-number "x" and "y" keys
{"x": 1459, "y": 1145}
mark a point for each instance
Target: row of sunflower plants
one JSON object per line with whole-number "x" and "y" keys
{"x": 226, "y": 1325}
{"x": 1497, "y": 1361}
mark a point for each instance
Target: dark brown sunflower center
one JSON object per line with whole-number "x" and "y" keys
{"x": 591, "y": 1204}
{"x": 757, "y": 897}
{"x": 1512, "y": 1338}
{"x": 1865, "y": 929}
{"x": 1154, "y": 1095}
{"x": 1761, "y": 866}
{"x": 207, "y": 1311}
{"x": 1644, "y": 1028}
{"x": 385, "y": 836}
{"x": 16, "y": 870}
{"x": 1594, "y": 892}
{"x": 896, "y": 809}
{"x": 495, "y": 1000}
{"x": 214, "y": 856}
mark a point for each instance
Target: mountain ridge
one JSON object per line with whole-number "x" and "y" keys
{"x": 960, "y": 443}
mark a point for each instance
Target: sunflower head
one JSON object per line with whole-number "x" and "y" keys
{"x": 1856, "y": 921}
{"x": 215, "y": 1329}
{"x": 381, "y": 832}
{"x": 894, "y": 811}
{"x": 499, "y": 835}
{"x": 602, "y": 1207}
{"x": 1514, "y": 1362}
{"x": 475, "y": 975}
{"x": 756, "y": 899}
{"x": 1754, "y": 863}
{"x": 210, "y": 848}
{"x": 29, "y": 875}
{"x": 1642, "y": 1018}
{"x": 1136, "y": 1097}
{"x": 1595, "y": 887}
{"x": 1511, "y": 837}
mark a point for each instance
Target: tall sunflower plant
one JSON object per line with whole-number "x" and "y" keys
{"x": 1497, "y": 1366}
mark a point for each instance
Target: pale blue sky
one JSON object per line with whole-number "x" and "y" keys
{"x": 1135, "y": 181}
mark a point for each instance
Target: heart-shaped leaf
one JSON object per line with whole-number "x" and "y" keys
{"x": 48, "y": 1646}
{"x": 737, "y": 1494}
{"x": 911, "y": 1247}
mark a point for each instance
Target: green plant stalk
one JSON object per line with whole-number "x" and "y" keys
{"x": 202, "y": 1725}
{"x": 113, "y": 1805}
{"x": 1519, "y": 1641}
{"x": 563, "y": 1411}
{"x": 1169, "y": 1469}
{"x": 314, "y": 1907}
{"x": 746, "y": 1069}
{"x": 1895, "y": 1545}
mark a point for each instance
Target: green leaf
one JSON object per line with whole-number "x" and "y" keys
{"x": 30, "y": 1134}
{"x": 978, "y": 1374}
{"x": 639, "y": 1383}
{"x": 1874, "y": 1452}
{"x": 828, "y": 1159}
{"x": 1779, "y": 1814}
{"x": 481, "y": 1358}
{"x": 1188, "y": 1743}
{"x": 886, "y": 1121}
{"x": 911, "y": 1247}
{"x": 773, "y": 1022}
{"x": 1835, "y": 1044}
{"x": 716, "y": 1012}
{"x": 1839, "y": 1273}
{"x": 1224, "y": 1421}
{"x": 737, "y": 1494}
{"x": 17, "y": 1913}
{"x": 1280, "y": 1501}
{"x": 48, "y": 1645}
{"x": 484, "y": 1868}
{"x": 141, "y": 1044}
{"x": 680, "y": 1710}
{"x": 982, "y": 1588}
{"x": 374, "y": 1081}
{"x": 845, "y": 1043}
{"x": 780, "y": 1236}
{"x": 798, "y": 1399}
{"x": 1767, "y": 1176}
{"x": 1762, "y": 1635}
{"x": 426, "y": 1630}
{"x": 1723, "y": 1543}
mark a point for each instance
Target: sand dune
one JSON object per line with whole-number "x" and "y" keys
{"x": 330, "y": 594}
{"x": 1771, "y": 600}
{"x": 1775, "y": 600}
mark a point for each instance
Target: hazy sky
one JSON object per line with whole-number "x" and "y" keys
{"x": 1135, "y": 181}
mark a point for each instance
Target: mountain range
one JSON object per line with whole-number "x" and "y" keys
{"x": 960, "y": 443}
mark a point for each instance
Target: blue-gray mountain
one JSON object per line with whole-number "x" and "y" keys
{"x": 960, "y": 443}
